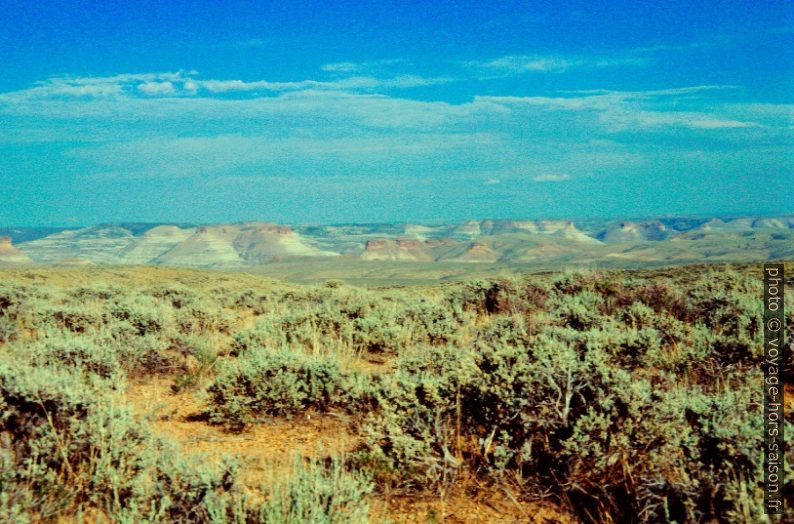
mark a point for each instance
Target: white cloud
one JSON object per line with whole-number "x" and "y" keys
{"x": 519, "y": 64}
{"x": 187, "y": 83}
{"x": 653, "y": 93}
{"x": 522, "y": 63}
{"x": 190, "y": 86}
{"x": 625, "y": 110}
{"x": 99, "y": 87}
{"x": 341, "y": 67}
{"x": 661, "y": 48}
{"x": 541, "y": 63}
{"x": 711, "y": 123}
{"x": 353, "y": 83}
{"x": 156, "y": 88}
{"x": 357, "y": 67}
{"x": 138, "y": 126}
{"x": 551, "y": 177}
{"x": 223, "y": 86}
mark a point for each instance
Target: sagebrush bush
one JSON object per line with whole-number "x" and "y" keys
{"x": 318, "y": 494}
{"x": 579, "y": 311}
{"x": 69, "y": 444}
{"x": 9, "y": 329}
{"x": 81, "y": 354}
{"x": 143, "y": 313}
{"x": 627, "y": 396}
{"x": 277, "y": 383}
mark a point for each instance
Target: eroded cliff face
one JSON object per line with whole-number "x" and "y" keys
{"x": 154, "y": 243}
{"x": 211, "y": 246}
{"x": 635, "y": 231}
{"x": 100, "y": 244}
{"x": 477, "y": 252}
{"x": 675, "y": 240}
{"x": 258, "y": 242}
{"x": 397, "y": 249}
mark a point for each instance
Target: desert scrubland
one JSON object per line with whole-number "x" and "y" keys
{"x": 172, "y": 395}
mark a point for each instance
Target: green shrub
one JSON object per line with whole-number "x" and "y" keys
{"x": 200, "y": 356}
{"x": 580, "y": 311}
{"x": 505, "y": 296}
{"x": 318, "y": 494}
{"x": 509, "y": 330}
{"x": 629, "y": 348}
{"x": 628, "y": 396}
{"x": 144, "y": 314}
{"x": 68, "y": 446}
{"x": 82, "y": 353}
{"x": 80, "y": 318}
{"x": 638, "y": 316}
{"x": 176, "y": 295}
{"x": 201, "y": 317}
{"x": 274, "y": 383}
{"x": 675, "y": 454}
{"x": 97, "y": 292}
{"x": 9, "y": 330}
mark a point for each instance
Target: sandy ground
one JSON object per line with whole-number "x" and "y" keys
{"x": 266, "y": 453}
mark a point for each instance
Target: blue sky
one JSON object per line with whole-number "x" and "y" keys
{"x": 393, "y": 111}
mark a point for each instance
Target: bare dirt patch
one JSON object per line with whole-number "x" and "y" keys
{"x": 463, "y": 508}
{"x": 266, "y": 455}
{"x": 266, "y": 451}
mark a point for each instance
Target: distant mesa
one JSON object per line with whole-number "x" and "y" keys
{"x": 257, "y": 242}
{"x": 470, "y": 228}
{"x": 774, "y": 223}
{"x": 440, "y": 243}
{"x": 99, "y": 244}
{"x": 420, "y": 231}
{"x": 10, "y": 255}
{"x": 748, "y": 224}
{"x": 408, "y": 243}
{"x": 209, "y": 246}
{"x": 555, "y": 228}
{"x": 714, "y": 223}
{"x": 477, "y": 252}
{"x": 397, "y": 249}
{"x": 635, "y": 231}
{"x": 532, "y": 242}
{"x": 153, "y": 244}
{"x": 544, "y": 250}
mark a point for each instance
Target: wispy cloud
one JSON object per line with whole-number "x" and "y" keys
{"x": 520, "y": 64}
{"x": 353, "y": 83}
{"x": 558, "y": 63}
{"x": 253, "y": 42}
{"x": 551, "y": 177}
{"x": 651, "y": 93}
{"x": 101, "y": 87}
{"x": 623, "y": 110}
{"x": 157, "y": 88}
{"x": 524, "y": 63}
{"x": 665, "y": 48}
{"x": 188, "y": 83}
{"x": 365, "y": 66}
{"x": 178, "y": 125}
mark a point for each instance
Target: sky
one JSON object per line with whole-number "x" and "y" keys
{"x": 338, "y": 112}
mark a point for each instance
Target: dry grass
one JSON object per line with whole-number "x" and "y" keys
{"x": 265, "y": 450}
